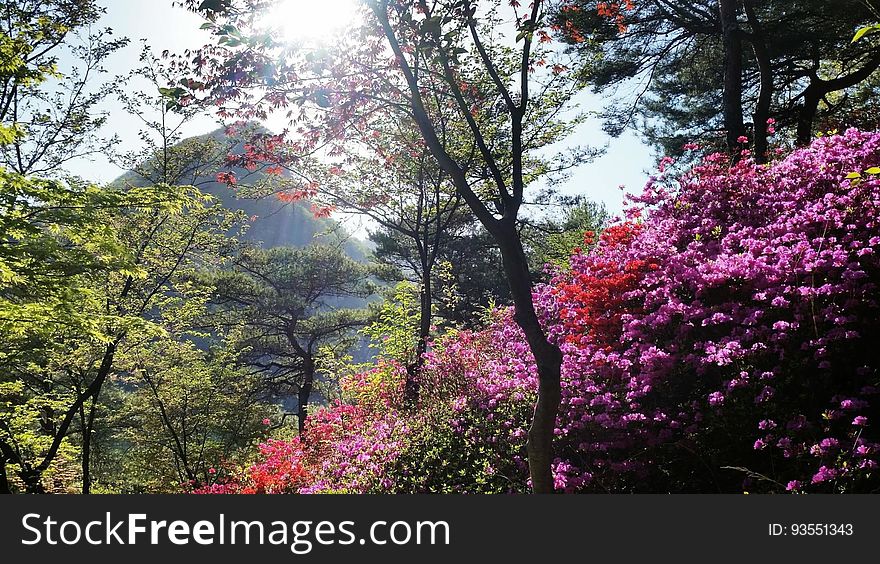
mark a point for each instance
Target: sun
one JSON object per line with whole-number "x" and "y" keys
{"x": 310, "y": 20}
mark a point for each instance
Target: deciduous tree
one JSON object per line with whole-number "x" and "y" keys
{"x": 487, "y": 64}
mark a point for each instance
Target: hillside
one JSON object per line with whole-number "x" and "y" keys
{"x": 273, "y": 223}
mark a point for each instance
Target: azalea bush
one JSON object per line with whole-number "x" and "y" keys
{"x": 719, "y": 339}
{"x": 468, "y": 434}
{"x": 346, "y": 447}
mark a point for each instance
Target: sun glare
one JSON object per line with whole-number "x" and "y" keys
{"x": 311, "y": 20}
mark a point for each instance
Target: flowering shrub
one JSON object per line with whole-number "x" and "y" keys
{"x": 351, "y": 450}
{"x": 720, "y": 339}
{"x": 346, "y": 447}
{"x": 378, "y": 389}
{"x": 280, "y": 470}
{"x": 478, "y": 392}
{"x": 729, "y": 328}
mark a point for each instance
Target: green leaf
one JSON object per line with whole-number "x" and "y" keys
{"x": 867, "y": 30}
{"x": 431, "y": 26}
{"x": 853, "y": 175}
{"x": 873, "y": 170}
{"x": 173, "y": 93}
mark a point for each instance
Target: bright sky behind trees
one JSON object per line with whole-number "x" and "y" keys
{"x": 175, "y": 29}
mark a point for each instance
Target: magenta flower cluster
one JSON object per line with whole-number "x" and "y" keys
{"x": 750, "y": 347}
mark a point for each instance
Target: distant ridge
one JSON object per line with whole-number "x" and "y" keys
{"x": 273, "y": 223}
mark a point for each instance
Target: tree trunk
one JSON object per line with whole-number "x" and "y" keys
{"x": 86, "y": 457}
{"x": 733, "y": 85}
{"x": 304, "y": 394}
{"x": 88, "y": 423}
{"x": 32, "y": 475}
{"x": 92, "y": 391}
{"x": 4, "y": 479}
{"x": 812, "y": 97}
{"x": 411, "y": 387}
{"x": 765, "y": 94}
{"x": 761, "y": 115}
{"x": 818, "y": 89}
{"x": 548, "y": 359}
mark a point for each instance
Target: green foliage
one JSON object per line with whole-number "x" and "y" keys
{"x": 183, "y": 413}
{"x": 336, "y": 366}
{"x": 439, "y": 458}
{"x": 52, "y": 234}
{"x": 674, "y": 49}
{"x": 474, "y": 277}
{"x": 283, "y": 305}
{"x": 556, "y": 239}
{"x": 394, "y": 323}
{"x": 86, "y": 272}
{"x": 49, "y": 113}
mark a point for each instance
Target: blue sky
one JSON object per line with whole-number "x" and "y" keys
{"x": 166, "y": 27}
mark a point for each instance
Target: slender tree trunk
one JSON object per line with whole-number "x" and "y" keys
{"x": 548, "y": 359}
{"x": 4, "y": 479}
{"x": 304, "y": 394}
{"x": 181, "y": 457}
{"x": 762, "y": 114}
{"x": 765, "y": 94}
{"x": 424, "y": 317}
{"x": 411, "y": 387}
{"x": 88, "y": 424}
{"x": 812, "y": 97}
{"x": 733, "y": 85}
{"x": 86, "y": 456}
